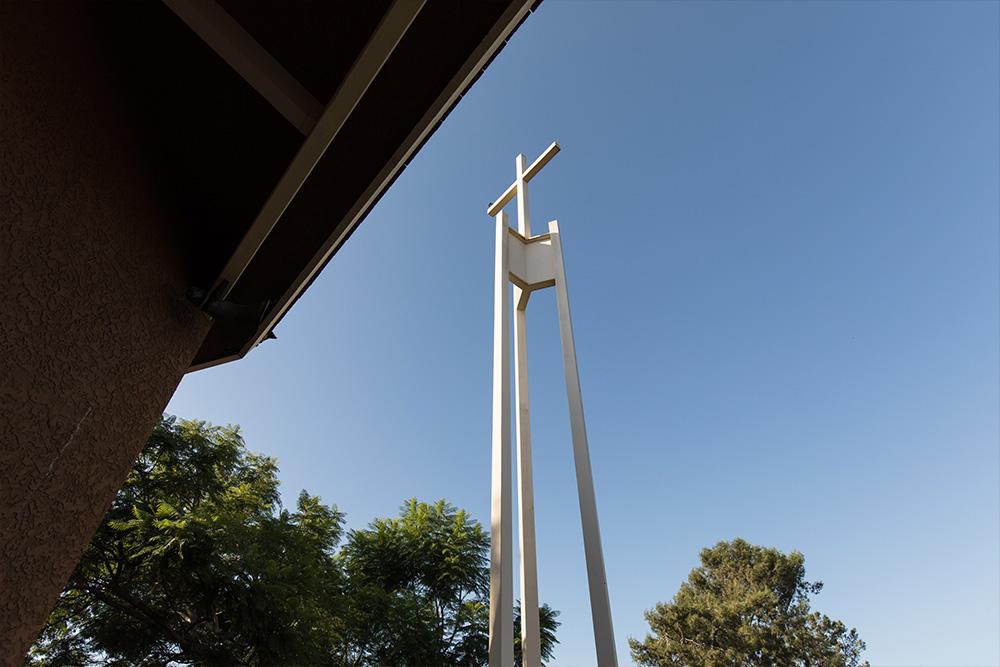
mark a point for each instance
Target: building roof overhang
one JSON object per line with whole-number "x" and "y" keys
{"x": 273, "y": 128}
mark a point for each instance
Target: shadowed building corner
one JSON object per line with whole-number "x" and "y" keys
{"x": 173, "y": 176}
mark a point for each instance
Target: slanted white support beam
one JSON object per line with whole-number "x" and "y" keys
{"x": 250, "y": 60}
{"x": 387, "y": 35}
{"x": 600, "y": 605}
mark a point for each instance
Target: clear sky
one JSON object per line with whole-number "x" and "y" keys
{"x": 780, "y": 223}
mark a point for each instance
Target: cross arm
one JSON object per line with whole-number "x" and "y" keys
{"x": 529, "y": 173}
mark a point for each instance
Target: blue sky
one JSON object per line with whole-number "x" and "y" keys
{"x": 780, "y": 223}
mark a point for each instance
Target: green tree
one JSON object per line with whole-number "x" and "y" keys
{"x": 197, "y": 563}
{"x": 746, "y": 606}
{"x": 419, "y": 590}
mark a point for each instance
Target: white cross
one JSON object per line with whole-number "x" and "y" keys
{"x": 531, "y": 263}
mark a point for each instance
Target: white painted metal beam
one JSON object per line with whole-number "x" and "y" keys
{"x": 501, "y": 630}
{"x": 530, "y": 632}
{"x": 531, "y": 263}
{"x": 521, "y": 183}
{"x": 528, "y": 174}
{"x": 600, "y": 606}
{"x": 250, "y": 60}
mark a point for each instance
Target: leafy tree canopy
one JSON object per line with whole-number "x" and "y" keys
{"x": 746, "y": 606}
{"x": 197, "y": 563}
{"x": 419, "y": 590}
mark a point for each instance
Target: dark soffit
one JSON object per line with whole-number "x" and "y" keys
{"x": 413, "y": 92}
{"x": 214, "y": 148}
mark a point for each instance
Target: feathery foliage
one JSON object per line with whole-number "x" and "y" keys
{"x": 197, "y": 563}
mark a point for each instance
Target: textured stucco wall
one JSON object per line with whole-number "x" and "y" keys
{"x": 94, "y": 333}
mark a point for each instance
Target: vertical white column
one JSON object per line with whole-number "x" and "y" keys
{"x": 501, "y": 636}
{"x": 523, "y": 219}
{"x": 600, "y": 606}
{"x": 530, "y": 632}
